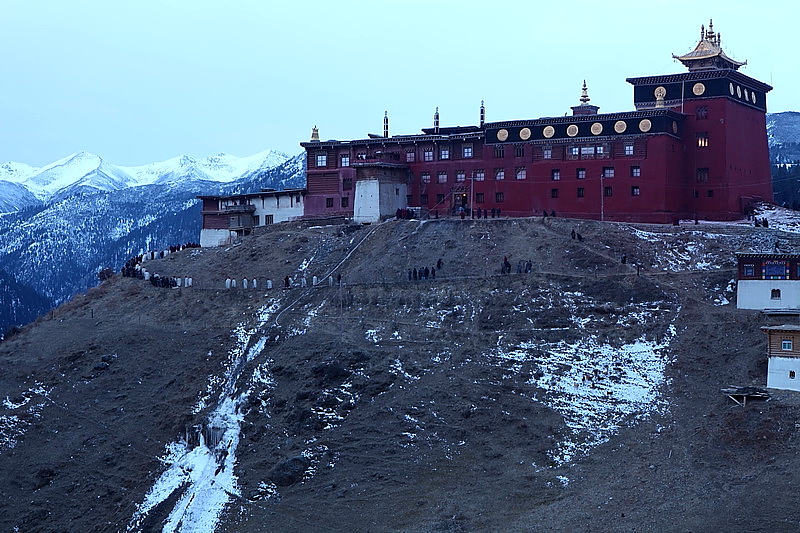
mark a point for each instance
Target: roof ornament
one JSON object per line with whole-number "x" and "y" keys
{"x": 584, "y": 94}
{"x": 386, "y": 124}
{"x": 708, "y": 54}
{"x": 483, "y": 114}
{"x": 314, "y": 134}
{"x": 436, "y": 120}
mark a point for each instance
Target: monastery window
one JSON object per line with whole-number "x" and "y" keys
{"x": 628, "y": 148}
{"x": 749, "y": 270}
{"x": 345, "y": 160}
{"x": 702, "y": 175}
{"x": 636, "y": 171}
{"x": 328, "y": 202}
{"x": 428, "y": 155}
{"x": 423, "y": 199}
{"x": 519, "y": 150}
{"x": 425, "y": 177}
{"x": 555, "y": 174}
{"x": 499, "y": 173}
{"x": 553, "y": 193}
{"x": 608, "y": 172}
{"x": 439, "y": 198}
{"x": 461, "y": 175}
{"x": 710, "y": 193}
{"x": 775, "y": 270}
{"x": 411, "y": 156}
{"x": 580, "y": 173}
{"x": 581, "y": 192}
{"x": 499, "y": 151}
{"x": 695, "y": 194}
{"x": 587, "y": 152}
{"x": 409, "y": 200}
{"x": 479, "y": 197}
{"x": 444, "y": 152}
{"x": 786, "y": 344}
{"x": 521, "y": 173}
{"x": 702, "y": 139}
{"x": 479, "y": 175}
{"x": 701, "y": 113}
{"x": 322, "y": 160}
{"x": 634, "y": 190}
{"x": 499, "y": 197}
{"x": 775, "y": 294}
{"x": 608, "y": 192}
{"x": 345, "y": 201}
{"x": 268, "y": 219}
{"x": 574, "y": 151}
{"x": 347, "y": 184}
{"x": 600, "y": 150}
{"x": 792, "y": 375}
{"x": 441, "y": 177}
{"x": 466, "y": 151}
{"x": 547, "y": 153}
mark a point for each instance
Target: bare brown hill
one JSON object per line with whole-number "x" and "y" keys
{"x": 583, "y": 395}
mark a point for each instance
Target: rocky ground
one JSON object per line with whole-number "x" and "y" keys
{"x": 581, "y": 396}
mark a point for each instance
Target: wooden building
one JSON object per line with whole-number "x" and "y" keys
{"x": 695, "y": 146}
{"x": 227, "y": 218}
{"x": 768, "y": 282}
{"x": 783, "y": 357}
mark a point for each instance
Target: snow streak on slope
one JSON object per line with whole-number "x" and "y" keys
{"x": 205, "y": 474}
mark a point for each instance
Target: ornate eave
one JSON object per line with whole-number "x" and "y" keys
{"x": 708, "y": 53}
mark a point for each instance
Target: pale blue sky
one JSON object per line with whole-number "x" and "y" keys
{"x": 139, "y": 82}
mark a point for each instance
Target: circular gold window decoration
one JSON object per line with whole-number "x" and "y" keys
{"x": 597, "y": 128}
{"x": 645, "y": 125}
{"x": 525, "y": 134}
{"x": 502, "y": 135}
{"x": 674, "y": 127}
{"x": 660, "y": 92}
{"x": 549, "y": 131}
{"x": 620, "y": 126}
{"x": 572, "y": 130}
{"x": 730, "y": 88}
{"x": 698, "y": 89}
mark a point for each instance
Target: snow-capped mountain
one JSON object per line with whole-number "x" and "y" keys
{"x": 63, "y": 223}
{"x": 783, "y": 133}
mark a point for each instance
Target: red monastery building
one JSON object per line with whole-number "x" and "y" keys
{"x": 694, "y": 147}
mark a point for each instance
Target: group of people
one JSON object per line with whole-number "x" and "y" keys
{"x": 421, "y": 273}
{"x": 576, "y": 236}
{"x": 525, "y": 267}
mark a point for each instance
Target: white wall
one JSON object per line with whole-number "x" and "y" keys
{"x": 757, "y": 294}
{"x": 214, "y": 237}
{"x": 288, "y": 210}
{"x": 374, "y": 200}
{"x": 778, "y": 369}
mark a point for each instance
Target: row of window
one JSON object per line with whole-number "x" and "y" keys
{"x": 521, "y": 173}
{"x": 345, "y": 200}
{"x": 499, "y": 197}
{"x": 429, "y": 155}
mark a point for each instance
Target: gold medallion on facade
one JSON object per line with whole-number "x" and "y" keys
{"x": 620, "y": 126}
{"x": 572, "y": 130}
{"x": 502, "y": 135}
{"x": 698, "y": 89}
{"x": 597, "y": 128}
{"x": 549, "y": 131}
{"x": 525, "y": 134}
{"x": 645, "y": 125}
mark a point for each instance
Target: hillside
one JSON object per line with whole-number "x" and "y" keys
{"x": 577, "y": 397}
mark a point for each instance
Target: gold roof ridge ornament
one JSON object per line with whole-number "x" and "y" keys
{"x": 314, "y": 134}
{"x": 584, "y": 95}
{"x": 708, "y": 54}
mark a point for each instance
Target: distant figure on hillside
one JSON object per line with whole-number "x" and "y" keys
{"x": 339, "y": 279}
{"x": 415, "y": 273}
{"x": 439, "y": 263}
{"x": 528, "y": 267}
{"x": 580, "y": 237}
{"x": 573, "y": 234}
{"x": 427, "y": 272}
{"x": 286, "y": 282}
{"x": 409, "y": 274}
{"x": 624, "y": 259}
{"x": 433, "y": 273}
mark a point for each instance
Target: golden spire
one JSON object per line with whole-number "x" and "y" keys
{"x": 584, "y": 94}
{"x": 314, "y": 134}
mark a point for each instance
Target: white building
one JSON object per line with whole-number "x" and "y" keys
{"x": 227, "y": 218}
{"x": 783, "y": 357}
{"x": 768, "y": 282}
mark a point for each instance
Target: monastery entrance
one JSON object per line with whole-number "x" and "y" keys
{"x": 460, "y": 201}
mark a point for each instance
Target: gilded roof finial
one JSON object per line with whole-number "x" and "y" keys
{"x": 314, "y": 134}
{"x": 584, "y": 94}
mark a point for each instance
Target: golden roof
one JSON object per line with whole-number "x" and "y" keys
{"x": 708, "y": 53}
